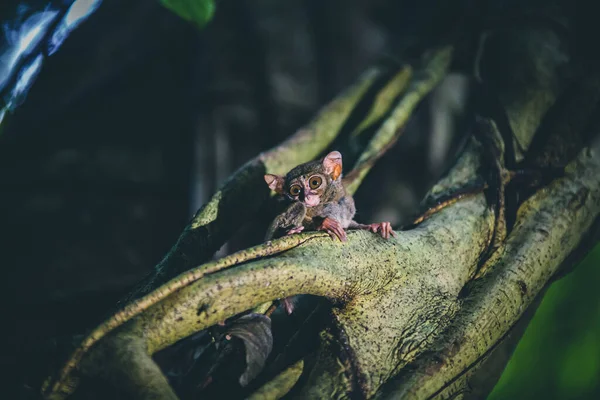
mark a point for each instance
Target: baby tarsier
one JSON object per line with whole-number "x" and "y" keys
{"x": 318, "y": 201}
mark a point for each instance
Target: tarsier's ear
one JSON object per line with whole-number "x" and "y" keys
{"x": 275, "y": 182}
{"x": 333, "y": 164}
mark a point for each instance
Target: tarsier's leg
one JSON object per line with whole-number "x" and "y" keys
{"x": 290, "y": 220}
{"x": 384, "y": 228}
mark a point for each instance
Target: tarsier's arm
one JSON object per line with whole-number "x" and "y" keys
{"x": 339, "y": 216}
{"x": 336, "y": 217}
{"x": 342, "y": 211}
{"x": 290, "y": 220}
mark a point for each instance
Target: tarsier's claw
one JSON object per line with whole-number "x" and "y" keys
{"x": 333, "y": 228}
{"x": 297, "y": 229}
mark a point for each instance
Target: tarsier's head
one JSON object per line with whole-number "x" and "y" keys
{"x": 310, "y": 183}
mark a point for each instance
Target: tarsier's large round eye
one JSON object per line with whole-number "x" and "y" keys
{"x": 315, "y": 182}
{"x": 295, "y": 190}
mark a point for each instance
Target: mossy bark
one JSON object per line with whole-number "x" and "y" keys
{"x": 415, "y": 315}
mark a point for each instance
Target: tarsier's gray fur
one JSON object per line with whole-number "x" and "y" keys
{"x": 334, "y": 203}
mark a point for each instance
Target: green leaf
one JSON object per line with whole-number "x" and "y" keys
{"x": 199, "y": 12}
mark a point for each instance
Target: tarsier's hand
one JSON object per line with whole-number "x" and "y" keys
{"x": 384, "y": 229}
{"x": 333, "y": 228}
{"x": 296, "y": 229}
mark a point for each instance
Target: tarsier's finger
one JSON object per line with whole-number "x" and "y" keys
{"x": 339, "y": 231}
{"x": 332, "y": 227}
{"x": 331, "y": 234}
{"x": 388, "y": 229}
{"x": 341, "y": 234}
{"x": 325, "y": 227}
{"x": 392, "y": 232}
{"x": 297, "y": 229}
{"x": 335, "y": 229}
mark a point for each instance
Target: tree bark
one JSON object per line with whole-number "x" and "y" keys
{"x": 419, "y": 316}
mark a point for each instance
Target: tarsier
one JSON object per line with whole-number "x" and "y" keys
{"x": 318, "y": 201}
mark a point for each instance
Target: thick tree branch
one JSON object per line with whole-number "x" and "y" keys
{"x": 241, "y": 196}
{"x": 413, "y": 316}
{"x": 435, "y": 65}
{"x": 551, "y": 225}
{"x": 238, "y": 198}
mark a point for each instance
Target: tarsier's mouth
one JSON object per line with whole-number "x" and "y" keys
{"x": 311, "y": 200}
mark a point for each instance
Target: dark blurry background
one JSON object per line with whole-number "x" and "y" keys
{"x": 137, "y": 119}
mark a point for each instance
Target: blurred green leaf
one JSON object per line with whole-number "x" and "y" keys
{"x": 199, "y": 12}
{"x": 580, "y": 367}
{"x": 559, "y": 354}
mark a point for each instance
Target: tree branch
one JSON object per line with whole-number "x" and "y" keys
{"x": 413, "y": 316}
{"x": 240, "y": 196}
